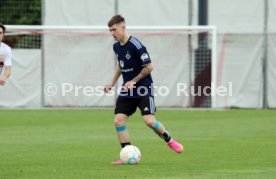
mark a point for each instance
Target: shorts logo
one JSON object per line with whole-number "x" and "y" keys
{"x": 146, "y": 109}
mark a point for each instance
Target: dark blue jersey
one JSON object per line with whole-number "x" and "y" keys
{"x": 132, "y": 58}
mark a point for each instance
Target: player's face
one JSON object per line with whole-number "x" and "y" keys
{"x": 117, "y": 31}
{"x": 1, "y": 34}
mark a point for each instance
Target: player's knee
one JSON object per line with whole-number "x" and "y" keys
{"x": 149, "y": 121}
{"x": 119, "y": 121}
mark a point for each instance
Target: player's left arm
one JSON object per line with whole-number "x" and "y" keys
{"x": 144, "y": 72}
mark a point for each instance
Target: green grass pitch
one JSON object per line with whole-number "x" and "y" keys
{"x": 82, "y": 143}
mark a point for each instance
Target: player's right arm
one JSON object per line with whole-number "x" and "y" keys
{"x": 7, "y": 73}
{"x": 116, "y": 76}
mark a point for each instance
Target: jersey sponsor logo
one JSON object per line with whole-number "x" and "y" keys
{"x": 127, "y": 70}
{"x": 144, "y": 56}
{"x": 122, "y": 63}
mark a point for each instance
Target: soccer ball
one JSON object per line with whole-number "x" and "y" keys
{"x": 130, "y": 154}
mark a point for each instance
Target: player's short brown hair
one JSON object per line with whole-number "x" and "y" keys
{"x": 3, "y": 27}
{"x": 116, "y": 20}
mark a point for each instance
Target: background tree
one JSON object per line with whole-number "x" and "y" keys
{"x": 19, "y": 12}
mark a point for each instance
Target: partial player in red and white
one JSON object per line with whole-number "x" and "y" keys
{"x": 5, "y": 57}
{"x": 134, "y": 64}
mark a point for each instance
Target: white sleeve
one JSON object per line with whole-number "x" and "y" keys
{"x": 7, "y": 60}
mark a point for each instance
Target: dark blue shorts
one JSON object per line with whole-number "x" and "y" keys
{"x": 129, "y": 105}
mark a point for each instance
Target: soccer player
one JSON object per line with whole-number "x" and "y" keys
{"x": 134, "y": 64}
{"x": 5, "y": 57}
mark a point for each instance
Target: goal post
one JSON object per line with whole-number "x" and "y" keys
{"x": 81, "y": 57}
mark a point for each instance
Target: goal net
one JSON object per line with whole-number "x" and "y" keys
{"x": 67, "y": 66}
